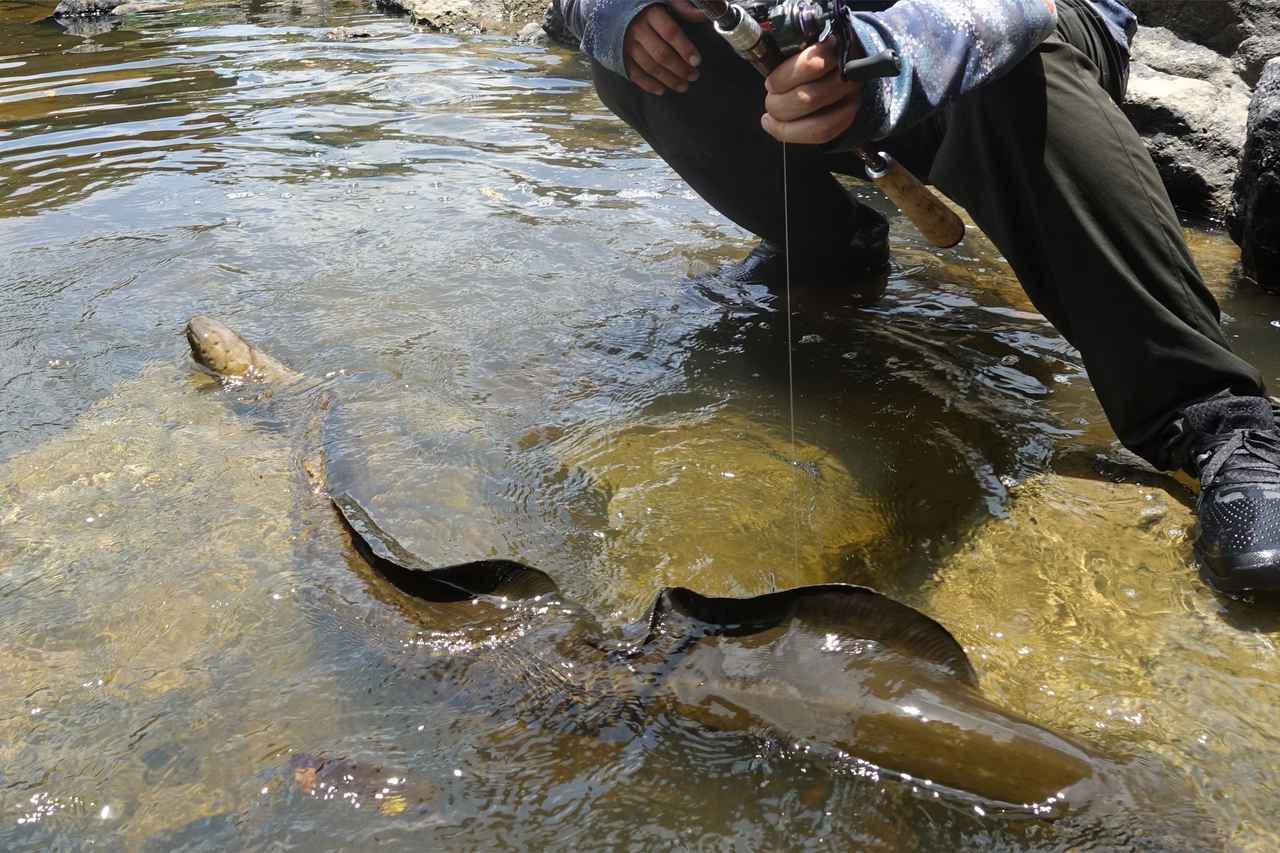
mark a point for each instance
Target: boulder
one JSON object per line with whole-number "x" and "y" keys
{"x": 1245, "y": 31}
{"x": 346, "y": 34}
{"x": 72, "y": 9}
{"x": 469, "y": 17}
{"x": 1191, "y": 109}
{"x": 462, "y": 17}
{"x": 86, "y": 8}
{"x": 1255, "y": 214}
{"x": 533, "y": 33}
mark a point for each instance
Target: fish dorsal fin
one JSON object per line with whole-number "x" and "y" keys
{"x": 840, "y": 610}
{"x": 499, "y": 578}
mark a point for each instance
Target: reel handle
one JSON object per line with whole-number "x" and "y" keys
{"x": 886, "y": 63}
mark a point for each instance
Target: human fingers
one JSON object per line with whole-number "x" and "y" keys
{"x": 655, "y": 69}
{"x": 812, "y": 63}
{"x": 637, "y": 59}
{"x": 666, "y": 42}
{"x": 815, "y": 128}
{"x": 638, "y": 76}
{"x": 810, "y": 97}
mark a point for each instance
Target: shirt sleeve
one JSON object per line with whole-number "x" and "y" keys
{"x": 601, "y": 25}
{"x": 948, "y": 48}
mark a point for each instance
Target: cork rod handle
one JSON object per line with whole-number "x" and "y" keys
{"x": 938, "y": 223}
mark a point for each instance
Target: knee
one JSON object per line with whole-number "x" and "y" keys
{"x": 616, "y": 92}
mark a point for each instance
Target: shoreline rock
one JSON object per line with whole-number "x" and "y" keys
{"x": 1190, "y": 108}
{"x": 72, "y": 9}
{"x": 469, "y": 17}
{"x": 1246, "y": 32}
{"x": 1255, "y": 217}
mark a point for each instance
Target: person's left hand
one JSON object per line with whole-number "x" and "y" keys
{"x": 807, "y": 101}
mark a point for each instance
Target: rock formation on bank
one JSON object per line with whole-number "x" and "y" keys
{"x": 470, "y": 16}
{"x": 1255, "y": 216}
{"x": 1190, "y": 107}
{"x": 1245, "y": 31}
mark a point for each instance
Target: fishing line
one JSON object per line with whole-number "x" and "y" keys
{"x": 791, "y": 380}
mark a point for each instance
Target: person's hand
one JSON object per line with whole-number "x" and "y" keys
{"x": 659, "y": 55}
{"x": 807, "y": 101}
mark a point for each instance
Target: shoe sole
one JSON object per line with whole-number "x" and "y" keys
{"x": 1255, "y": 571}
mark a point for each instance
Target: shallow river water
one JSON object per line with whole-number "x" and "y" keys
{"x": 507, "y": 294}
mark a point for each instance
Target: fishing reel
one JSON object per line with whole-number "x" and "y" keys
{"x": 793, "y": 25}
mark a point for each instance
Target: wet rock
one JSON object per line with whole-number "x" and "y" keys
{"x": 1255, "y": 215}
{"x": 71, "y": 10}
{"x": 86, "y": 8}
{"x": 1191, "y": 109}
{"x": 346, "y": 34}
{"x": 1245, "y": 31}
{"x": 461, "y": 17}
{"x": 87, "y": 28}
{"x": 533, "y": 33}
{"x": 713, "y": 503}
{"x": 355, "y": 783}
{"x": 468, "y": 17}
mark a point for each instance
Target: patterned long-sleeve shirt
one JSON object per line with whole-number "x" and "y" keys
{"x": 947, "y": 47}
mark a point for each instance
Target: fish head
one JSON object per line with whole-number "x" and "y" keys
{"x": 220, "y": 349}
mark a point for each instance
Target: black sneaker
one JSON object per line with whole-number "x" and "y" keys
{"x": 866, "y": 252}
{"x": 1236, "y": 455}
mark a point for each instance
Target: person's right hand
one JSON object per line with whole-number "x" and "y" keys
{"x": 659, "y": 55}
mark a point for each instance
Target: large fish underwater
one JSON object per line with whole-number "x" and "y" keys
{"x": 836, "y": 665}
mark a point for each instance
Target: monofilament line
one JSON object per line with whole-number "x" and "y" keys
{"x": 791, "y": 380}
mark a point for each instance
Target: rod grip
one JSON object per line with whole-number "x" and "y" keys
{"x": 938, "y": 223}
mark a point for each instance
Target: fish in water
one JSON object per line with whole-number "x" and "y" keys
{"x": 833, "y": 664}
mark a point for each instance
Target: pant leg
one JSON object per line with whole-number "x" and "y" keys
{"x": 711, "y": 136}
{"x": 1053, "y": 172}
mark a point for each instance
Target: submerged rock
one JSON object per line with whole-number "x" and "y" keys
{"x": 1083, "y": 609}
{"x": 387, "y": 790}
{"x": 1255, "y": 215}
{"x": 1190, "y": 107}
{"x": 346, "y": 34}
{"x": 132, "y": 598}
{"x": 726, "y": 506}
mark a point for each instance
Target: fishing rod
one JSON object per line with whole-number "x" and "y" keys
{"x": 765, "y": 32}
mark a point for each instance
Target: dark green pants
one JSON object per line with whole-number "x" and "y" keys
{"x": 1050, "y": 169}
